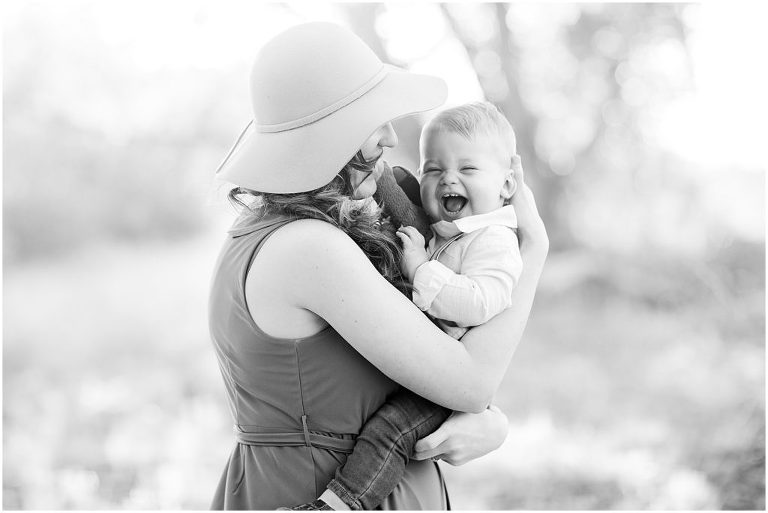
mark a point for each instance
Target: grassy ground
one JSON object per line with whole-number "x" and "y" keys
{"x": 638, "y": 385}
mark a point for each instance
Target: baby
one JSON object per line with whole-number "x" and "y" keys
{"x": 462, "y": 279}
{"x": 467, "y": 273}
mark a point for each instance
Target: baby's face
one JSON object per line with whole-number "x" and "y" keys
{"x": 462, "y": 177}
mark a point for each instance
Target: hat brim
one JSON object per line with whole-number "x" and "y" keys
{"x": 309, "y": 156}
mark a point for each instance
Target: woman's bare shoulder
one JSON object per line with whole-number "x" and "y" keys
{"x": 312, "y": 235}
{"x": 297, "y": 267}
{"x": 312, "y": 253}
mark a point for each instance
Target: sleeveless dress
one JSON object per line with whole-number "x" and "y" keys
{"x": 297, "y": 404}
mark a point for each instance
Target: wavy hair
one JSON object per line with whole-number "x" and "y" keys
{"x": 361, "y": 220}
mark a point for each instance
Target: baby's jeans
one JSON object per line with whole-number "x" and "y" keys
{"x": 384, "y": 447}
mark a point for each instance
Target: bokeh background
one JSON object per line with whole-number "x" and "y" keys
{"x": 640, "y": 382}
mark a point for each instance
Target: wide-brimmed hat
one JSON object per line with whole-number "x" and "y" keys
{"x": 318, "y": 92}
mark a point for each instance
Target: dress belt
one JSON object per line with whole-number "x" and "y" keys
{"x": 295, "y": 439}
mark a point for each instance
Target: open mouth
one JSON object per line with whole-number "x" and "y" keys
{"x": 453, "y": 203}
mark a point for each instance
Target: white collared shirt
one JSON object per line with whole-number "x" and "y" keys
{"x": 470, "y": 276}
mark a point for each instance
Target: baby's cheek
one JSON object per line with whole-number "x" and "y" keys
{"x": 431, "y": 208}
{"x": 424, "y": 195}
{"x": 427, "y": 193}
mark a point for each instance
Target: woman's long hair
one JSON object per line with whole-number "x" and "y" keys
{"x": 360, "y": 219}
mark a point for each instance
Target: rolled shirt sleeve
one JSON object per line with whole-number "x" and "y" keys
{"x": 490, "y": 268}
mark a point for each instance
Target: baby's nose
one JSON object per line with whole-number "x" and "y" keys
{"x": 448, "y": 177}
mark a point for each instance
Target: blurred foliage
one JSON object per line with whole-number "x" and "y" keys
{"x": 96, "y": 146}
{"x": 641, "y": 381}
{"x": 636, "y": 400}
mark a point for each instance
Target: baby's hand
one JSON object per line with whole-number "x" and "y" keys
{"x": 414, "y": 253}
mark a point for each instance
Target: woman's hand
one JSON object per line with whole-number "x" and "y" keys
{"x": 531, "y": 231}
{"x": 464, "y": 437}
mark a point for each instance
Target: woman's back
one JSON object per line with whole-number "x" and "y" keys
{"x": 297, "y": 403}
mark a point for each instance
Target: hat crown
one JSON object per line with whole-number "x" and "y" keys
{"x": 307, "y": 69}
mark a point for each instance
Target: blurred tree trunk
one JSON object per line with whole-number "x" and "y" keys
{"x": 633, "y": 24}
{"x": 362, "y": 19}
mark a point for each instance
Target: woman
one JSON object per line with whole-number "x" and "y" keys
{"x": 310, "y": 333}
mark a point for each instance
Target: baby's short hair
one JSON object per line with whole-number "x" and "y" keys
{"x": 472, "y": 119}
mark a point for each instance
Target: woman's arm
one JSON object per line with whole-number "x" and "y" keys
{"x": 316, "y": 267}
{"x": 321, "y": 269}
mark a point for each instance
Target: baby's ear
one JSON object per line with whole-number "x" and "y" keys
{"x": 510, "y": 185}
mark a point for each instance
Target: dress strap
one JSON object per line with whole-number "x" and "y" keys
{"x": 254, "y": 436}
{"x": 447, "y": 243}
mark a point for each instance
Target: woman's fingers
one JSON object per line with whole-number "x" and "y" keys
{"x": 431, "y": 454}
{"x": 530, "y": 226}
{"x": 431, "y": 445}
{"x": 524, "y": 196}
{"x": 526, "y": 201}
{"x": 517, "y": 167}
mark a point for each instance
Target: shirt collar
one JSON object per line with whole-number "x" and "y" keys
{"x": 504, "y": 216}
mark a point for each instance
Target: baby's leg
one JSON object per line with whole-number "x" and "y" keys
{"x": 383, "y": 449}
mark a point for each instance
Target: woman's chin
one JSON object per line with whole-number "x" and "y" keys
{"x": 365, "y": 190}
{"x": 378, "y": 169}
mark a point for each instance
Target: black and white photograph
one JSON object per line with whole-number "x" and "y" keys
{"x": 403, "y": 255}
